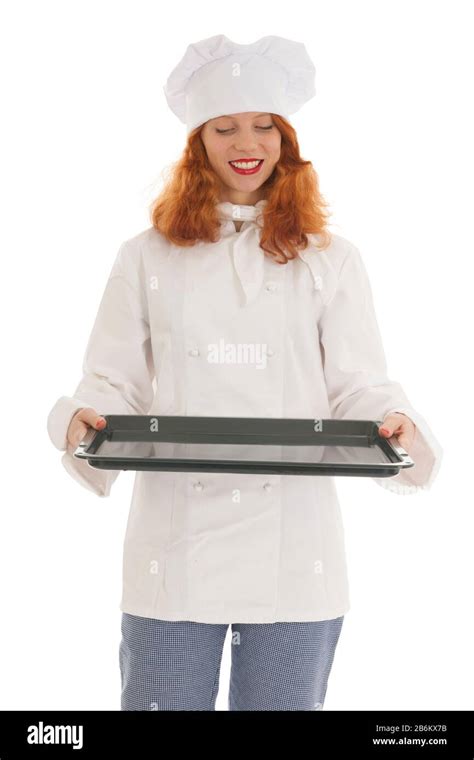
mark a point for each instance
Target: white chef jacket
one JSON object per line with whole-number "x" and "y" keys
{"x": 225, "y": 547}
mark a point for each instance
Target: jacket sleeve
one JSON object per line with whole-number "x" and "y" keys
{"x": 117, "y": 368}
{"x": 356, "y": 373}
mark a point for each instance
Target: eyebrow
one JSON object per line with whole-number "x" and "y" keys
{"x": 227, "y": 116}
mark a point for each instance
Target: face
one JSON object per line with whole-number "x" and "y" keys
{"x": 253, "y": 141}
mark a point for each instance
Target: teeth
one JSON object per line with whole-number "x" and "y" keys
{"x": 245, "y": 164}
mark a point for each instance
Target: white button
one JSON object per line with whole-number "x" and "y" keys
{"x": 267, "y": 487}
{"x": 269, "y": 352}
{"x": 193, "y": 352}
{"x": 271, "y": 286}
{"x": 198, "y": 486}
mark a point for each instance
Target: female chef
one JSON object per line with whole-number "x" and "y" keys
{"x": 238, "y": 254}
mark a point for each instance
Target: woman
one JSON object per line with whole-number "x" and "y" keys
{"x": 238, "y": 254}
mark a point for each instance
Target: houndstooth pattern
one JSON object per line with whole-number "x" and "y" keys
{"x": 175, "y": 665}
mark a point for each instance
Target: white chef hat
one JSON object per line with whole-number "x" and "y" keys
{"x": 217, "y": 76}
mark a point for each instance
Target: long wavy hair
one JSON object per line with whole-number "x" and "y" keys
{"x": 185, "y": 211}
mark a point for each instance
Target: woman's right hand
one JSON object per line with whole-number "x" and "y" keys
{"x": 85, "y": 419}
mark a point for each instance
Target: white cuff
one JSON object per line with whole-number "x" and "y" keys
{"x": 59, "y": 418}
{"x": 426, "y": 452}
{"x": 94, "y": 479}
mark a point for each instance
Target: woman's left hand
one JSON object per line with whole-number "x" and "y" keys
{"x": 401, "y": 426}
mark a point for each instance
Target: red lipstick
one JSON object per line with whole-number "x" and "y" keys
{"x": 251, "y": 170}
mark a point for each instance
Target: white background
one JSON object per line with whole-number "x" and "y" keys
{"x": 86, "y": 135}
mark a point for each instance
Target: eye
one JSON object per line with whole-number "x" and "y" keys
{"x": 224, "y": 131}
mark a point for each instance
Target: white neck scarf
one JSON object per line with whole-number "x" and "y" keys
{"x": 247, "y": 255}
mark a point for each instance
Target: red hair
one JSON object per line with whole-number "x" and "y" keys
{"x": 185, "y": 211}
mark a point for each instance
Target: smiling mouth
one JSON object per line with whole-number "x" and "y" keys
{"x": 246, "y": 167}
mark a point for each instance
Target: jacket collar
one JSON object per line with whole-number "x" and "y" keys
{"x": 247, "y": 255}
{"x": 240, "y": 212}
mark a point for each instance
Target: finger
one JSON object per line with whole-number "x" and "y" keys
{"x": 90, "y": 416}
{"x": 78, "y": 433}
{"x": 404, "y": 440}
{"x": 390, "y": 424}
{"x": 407, "y": 437}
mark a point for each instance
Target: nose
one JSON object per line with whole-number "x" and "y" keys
{"x": 245, "y": 142}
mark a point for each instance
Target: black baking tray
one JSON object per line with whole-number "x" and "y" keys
{"x": 279, "y": 446}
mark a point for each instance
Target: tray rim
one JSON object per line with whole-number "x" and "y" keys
{"x": 385, "y": 469}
